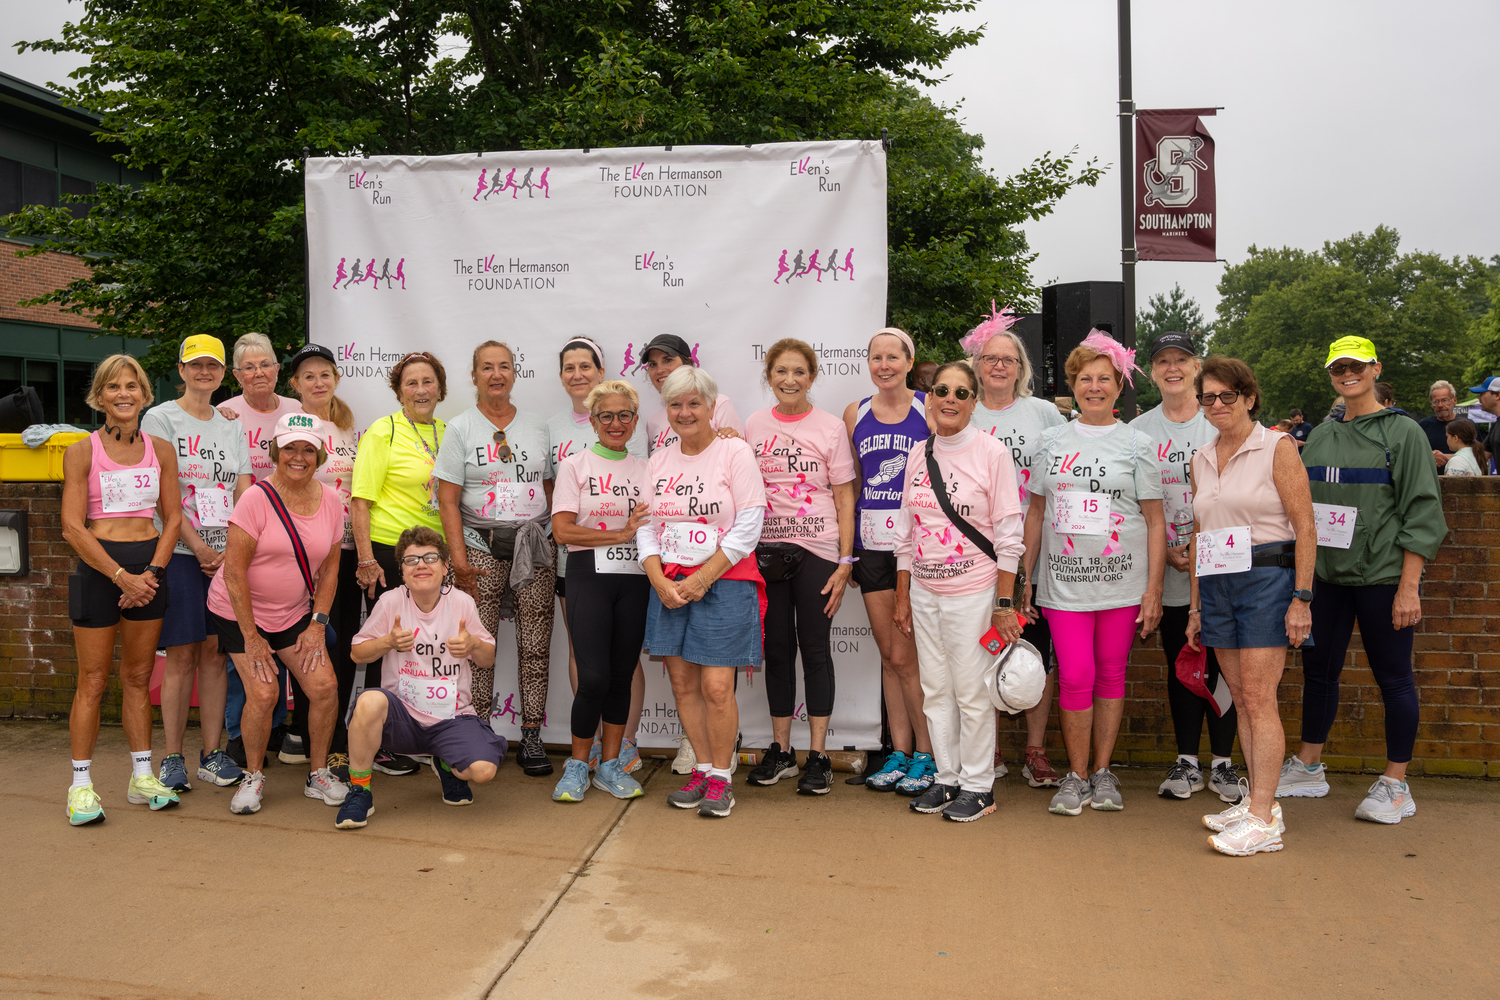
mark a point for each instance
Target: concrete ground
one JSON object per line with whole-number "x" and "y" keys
{"x": 846, "y": 896}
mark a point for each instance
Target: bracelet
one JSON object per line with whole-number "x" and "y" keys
{"x": 699, "y": 574}
{"x": 848, "y": 560}
{"x": 117, "y": 574}
{"x": 1193, "y": 611}
{"x": 367, "y": 562}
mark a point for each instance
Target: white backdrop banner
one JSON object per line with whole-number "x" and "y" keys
{"x": 729, "y": 247}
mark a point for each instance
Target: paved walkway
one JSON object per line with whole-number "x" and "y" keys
{"x": 846, "y": 896}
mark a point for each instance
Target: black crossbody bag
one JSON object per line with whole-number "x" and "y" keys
{"x": 330, "y": 637}
{"x": 940, "y": 489}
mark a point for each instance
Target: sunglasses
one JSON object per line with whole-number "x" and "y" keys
{"x": 430, "y": 558}
{"x": 1227, "y": 397}
{"x": 624, "y": 416}
{"x": 962, "y": 392}
{"x": 1340, "y": 367}
{"x": 505, "y": 453}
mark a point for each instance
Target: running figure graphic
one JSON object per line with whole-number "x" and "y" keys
{"x": 385, "y": 273}
{"x": 797, "y": 271}
{"x": 781, "y": 269}
{"x": 525, "y": 183}
{"x": 480, "y": 190}
{"x": 369, "y": 271}
{"x": 629, "y": 348}
{"x": 541, "y": 184}
{"x": 509, "y": 709}
{"x": 833, "y": 264}
{"x": 849, "y": 263}
{"x": 353, "y": 276}
{"x": 401, "y": 275}
{"x": 342, "y": 273}
{"x": 813, "y": 267}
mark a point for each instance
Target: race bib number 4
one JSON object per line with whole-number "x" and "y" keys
{"x": 1081, "y": 513}
{"x": 434, "y": 696}
{"x": 1226, "y": 550}
{"x": 877, "y": 530}
{"x": 688, "y": 543}
{"x": 215, "y": 504}
{"x": 129, "y": 490}
{"x": 623, "y": 558}
{"x": 1335, "y": 524}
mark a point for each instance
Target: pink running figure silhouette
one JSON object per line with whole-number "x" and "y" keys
{"x": 696, "y": 365}
{"x": 509, "y": 709}
{"x": 849, "y": 263}
{"x": 369, "y": 272}
{"x": 1113, "y": 545}
{"x": 629, "y": 349}
{"x": 342, "y": 273}
{"x": 541, "y": 184}
{"x": 781, "y": 269}
{"x": 401, "y": 275}
{"x": 813, "y": 267}
{"x": 510, "y": 184}
{"x": 480, "y": 190}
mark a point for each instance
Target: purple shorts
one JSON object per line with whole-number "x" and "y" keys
{"x": 460, "y": 741}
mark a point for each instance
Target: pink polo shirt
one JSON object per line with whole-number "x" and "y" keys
{"x": 801, "y": 458}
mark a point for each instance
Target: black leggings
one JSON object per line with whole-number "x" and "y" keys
{"x": 795, "y": 619}
{"x": 1188, "y": 709}
{"x": 607, "y": 620}
{"x": 1388, "y": 649}
{"x": 344, "y": 617}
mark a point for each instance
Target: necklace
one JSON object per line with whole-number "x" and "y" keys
{"x": 115, "y": 430}
{"x": 436, "y": 441}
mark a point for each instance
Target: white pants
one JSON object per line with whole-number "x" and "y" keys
{"x": 960, "y": 718}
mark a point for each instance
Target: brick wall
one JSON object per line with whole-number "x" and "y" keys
{"x": 23, "y": 278}
{"x": 1457, "y": 664}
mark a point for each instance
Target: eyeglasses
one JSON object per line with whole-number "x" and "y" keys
{"x": 624, "y": 416}
{"x": 264, "y": 366}
{"x": 993, "y": 360}
{"x": 1340, "y": 367}
{"x": 941, "y": 391}
{"x": 1228, "y": 397}
{"x": 430, "y": 558}
{"x": 505, "y": 453}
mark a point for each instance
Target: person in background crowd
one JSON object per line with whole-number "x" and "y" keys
{"x": 950, "y": 591}
{"x": 431, "y": 639}
{"x": 1489, "y": 402}
{"x": 883, "y": 429}
{"x": 1008, "y": 412}
{"x": 1249, "y": 489}
{"x": 313, "y": 375}
{"x": 805, "y": 555}
{"x": 1444, "y": 398}
{"x": 495, "y": 494}
{"x": 1284, "y": 426}
{"x": 1378, "y": 468}
{"x": 212, "y": 472}
{"x": 1095, "y": 554}
{"x": 258, "y": 407}
{"x": 1300, "y": 428}
{"x": 706, "y": 607}
{"x": 115, "y": 482}
{"x": 1466, "y": 454}
{"x": 1386, "y": 395}
{"x": 922, "y": 374}
{"x": 395, "y": 489}
{"x": 598, "y": 505}
{"x": 1178, "y": 428}
{"x": 270, "y": 601}
{"x": 569, "y": 432}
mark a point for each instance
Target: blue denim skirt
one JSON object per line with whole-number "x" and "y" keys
{"x": 1247, "y": 610}
{"x": 721, "y": 630}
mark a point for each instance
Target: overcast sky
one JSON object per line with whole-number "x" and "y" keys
{"x": 1339, "y": 115}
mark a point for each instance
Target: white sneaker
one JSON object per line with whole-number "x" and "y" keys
{"x": 1249, "y": 836}
{"x": 1221, "y": 821}
{"x": 321, "y": 784}
{"x": 1387, "y": 802}
{"x": 247, "y": 797}
{"x": 686, "y": 760}
{"x": 1298, "y": 782}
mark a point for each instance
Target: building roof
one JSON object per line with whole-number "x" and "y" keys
{"x": 41, "y": 101}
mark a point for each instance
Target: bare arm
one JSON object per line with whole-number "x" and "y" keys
{"x": 169, "y": 501}
{"x": 75, "y": 507}
{"x": 368, "y": 574}
{"x": 567, "y": 530}
{"x": 1032, "y": 534}
{"x": 1156, "y": 547}
{"x": 843, "y": 503}
{"x": 1290, "y": 477}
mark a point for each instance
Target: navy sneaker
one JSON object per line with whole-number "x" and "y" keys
{"x": 218, "y": 768}
{"x": 935, "y": 799}
{"x": 174, "y": 773}
{"x": 356, "y": 809}
{"x": 455, "y": 790}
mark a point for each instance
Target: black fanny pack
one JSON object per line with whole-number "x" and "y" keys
{"x": 1282, "y": 554}
{"x": 778, "y": 561}
{"x": 503, "y": 543}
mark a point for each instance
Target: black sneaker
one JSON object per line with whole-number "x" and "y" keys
{"x": 293, "y": 750}
{"x": 273, "y": 742}
{"x": 969, "y": 806}
{"x": 236, "y": 751}
{"x": 338, "y": 763}
{"x": 455, "y": 789}
{"x": 394, "y": 763}
{"x": 532, "y": 756}
{"x": 817, "y": 777}
{"x": 935, "y": 799}
{"x": 775, "y": 765}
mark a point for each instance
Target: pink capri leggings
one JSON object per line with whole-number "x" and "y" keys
{"x": 1092, "y": 647}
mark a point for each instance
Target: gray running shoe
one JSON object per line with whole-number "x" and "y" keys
{"x": 718, "y": 798}
{"x": 1224, "y": 779}
{"x": 1071, "y": 795}
{"x": 690, "y": 794}
{"x": 1106, "y": 791}
{"x": 174, "y": 773}
{"x": 1183, "y": 779}
{"x": 1300, "y": 782}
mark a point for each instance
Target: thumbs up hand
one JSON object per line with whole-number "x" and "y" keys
{"x": 463, "y": 644}
{"x": 400, "y": 639}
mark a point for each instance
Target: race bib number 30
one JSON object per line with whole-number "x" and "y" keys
{"x": 129, "y": 490}
{"x": 1335, "y": 524}
{"x": 215, "y": 504}
{"x": 623, "y": 558}
{"x": 1081, "y": 513}
{"x": 434, "y": 696}
{"x": 877, "y": 530}
{"x": 688, "y": 543}
{"x": 1226, "y": 550}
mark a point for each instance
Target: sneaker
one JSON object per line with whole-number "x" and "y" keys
{"x": 395, "y": 763}
{"x": 1106, "y": 791}
{"x": 84, "y": 806}
{"x": 690, "y": 794}
{"x": 247, "y": 797}
{"x": 817, "y": 777}
{"x": 892, "y": 771}
{"x": 1387, "y": 802}
{"x": 1183, "y": 779}
{"x": 235, "y": 752}
{"x": 174, "y": 773}
{"x": 1298, "y": 781}
{"x": 356, "y": 809}
{"x": 969, "y": 806}
{"x": 532, "y": 755}
{"x": 456, "y": 791}
{"x": 630, "y": 756}
{"x": 935, "y": 799}
{"x": 595, "y": 752}
{"x": 1039, "y": 772}
{"x": 1000, "y": 769}
{"x": 1072, "y": 793}
{"x": 1224, "y": 779}
{"x": 919, "y": 775}
{"x": 219, "y": 768}
{"x": 686, "y": 761}
{"x": 1248, "y": 836}
{"x": 775, "y": 765}
{"x": 293, "y": 750}
{"x": 321, "y": 784}
{"x": 338, "y": 764}
{"x": 274, "y": 741}
{"x": 734, "y": 758}
{"x": 1221, "y": 821}
{"x": 718, "y": 798}
{"x": 611, "y": 777}
{"x": 147, "y": 790}
{"x": 574, "y": 781}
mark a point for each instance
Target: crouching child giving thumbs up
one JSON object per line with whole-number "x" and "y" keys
{"x": 429, "y": 638}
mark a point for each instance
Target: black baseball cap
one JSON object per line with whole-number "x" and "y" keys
{"x": 671, "y": 345}
{"x": 310, "y": 351}
{"x": 1181, "y": 341}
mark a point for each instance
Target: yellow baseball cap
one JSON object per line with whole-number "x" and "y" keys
{"x": 1357, "y": 348}
{"x": 201, "y": 345}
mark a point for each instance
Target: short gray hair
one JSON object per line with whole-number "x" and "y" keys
{"x": 252, "y": 343}
{"x": 689, "y": 380}
{"x": 1442, "y": 384}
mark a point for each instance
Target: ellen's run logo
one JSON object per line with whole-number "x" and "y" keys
{"x": 496, "y": 186}
{"x": 363, "y": 272}
{"x": 799, "y": 268}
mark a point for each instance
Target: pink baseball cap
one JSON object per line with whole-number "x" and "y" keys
{"x": 299, "y": 427}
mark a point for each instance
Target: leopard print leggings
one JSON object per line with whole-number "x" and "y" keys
{"x": 535, "y": 605}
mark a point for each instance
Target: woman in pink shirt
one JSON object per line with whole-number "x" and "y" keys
{"x": 950, "y": 592}
{"x": 698, "y": 551}
{"x": 258, "y": 407}
{"x": 805, "y": 555}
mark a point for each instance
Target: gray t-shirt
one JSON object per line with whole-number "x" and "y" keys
{"x": 210, "y": 453}
{"x": 1095, "y": 572}
{"x": 1174, "y": 445}
{"x": 566, "y": 436}
{"x": 495, "y": 492}
{"x": 1019, "y": 426}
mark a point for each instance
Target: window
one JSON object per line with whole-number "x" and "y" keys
{"x": 10, "y": 186}
{"x": 42, "y": 376}
{"x": 38, "y": 186}
{"x": 78, "y": 376}
{"x": 76, "y": 185}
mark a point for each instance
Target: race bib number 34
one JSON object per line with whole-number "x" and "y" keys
{"x": 1335, "y": 524}
{"x": 688, "y": 543}
{"x": 1082, "y": 513}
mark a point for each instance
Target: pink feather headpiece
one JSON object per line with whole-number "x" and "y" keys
{"x": 998, "y": 321}
{"x": 1122, "y": 357}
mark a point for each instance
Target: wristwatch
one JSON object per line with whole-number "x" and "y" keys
{"x": 1305, "y": 596}
{"x": 1004, "y": 604}
{"x": 156, "y": 571}
{"x": 320, "y": 618}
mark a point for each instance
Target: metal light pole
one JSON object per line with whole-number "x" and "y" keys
{"x": 1127, "y": 197}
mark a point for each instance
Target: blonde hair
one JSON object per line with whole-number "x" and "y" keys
{"x": 615, "y": 387}
{"x": 252, "y": 343}
{"x": 109, "y": 370}
{"x": 338, "y": 411}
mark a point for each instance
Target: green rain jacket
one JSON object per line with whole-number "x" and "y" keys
{"x": 1382, "y": 464}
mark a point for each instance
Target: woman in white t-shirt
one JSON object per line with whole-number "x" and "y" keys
{"x": 1468, "y": 454}
{"x": 1095, "y": 552}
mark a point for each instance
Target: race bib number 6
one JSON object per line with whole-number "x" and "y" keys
{"x": 688, "y": 543}
{"x": 877, "y": 530}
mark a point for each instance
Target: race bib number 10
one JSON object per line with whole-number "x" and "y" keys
{"x": 688, "y": 543}
{"x": 1335, "y": 524}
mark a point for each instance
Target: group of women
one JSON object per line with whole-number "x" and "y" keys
{"x": 714, "y": 544}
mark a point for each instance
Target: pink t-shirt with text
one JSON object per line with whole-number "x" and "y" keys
{"x": 659, "y": 432}
{"x": 600, "y": 491}
{"x": 258, "y": 428}
{"x": 428, "y": 660}
{"x": 710, "y": 487}
{"x": 278, "y": 595}
{"x": 338, "y": 472}
{"x": 801, "y": 458}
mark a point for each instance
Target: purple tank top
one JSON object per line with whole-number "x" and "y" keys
{"x": 882, "y": 449}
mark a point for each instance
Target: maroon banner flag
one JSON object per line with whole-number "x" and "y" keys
{"x": 1174, "y": 185}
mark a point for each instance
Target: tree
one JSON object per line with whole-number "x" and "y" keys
{"x": 1174, "y": 311}
{"x": 219, "y": 97}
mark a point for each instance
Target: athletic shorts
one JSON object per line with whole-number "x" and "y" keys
{"x": 187, "y": 620}
{"x": 232, "y": 640}
{"x": 460, "y": 741}
{"x": 875, "y": 571}
{"x": 1247, "y": 610}
{"x": 94, "y": 602}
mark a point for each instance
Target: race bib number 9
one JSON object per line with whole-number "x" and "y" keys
{"x": 877, "y": 530}
{"x": 1335, "y": 524}
{"x": 520, "y": 500}
{"x": 688, "y": 543}
{"x": 1081, "y": 513}
{"x": 215, "y": 504}
{"x": 1226, "y": 550}
{"x": 623, "y": 558}
{"x": 129, "y": 490}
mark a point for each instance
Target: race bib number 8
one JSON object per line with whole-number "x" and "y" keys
{"x": 215, "y": 504}
{"x": 1335, "y": 524}
{"x": 623, "y": 558}
{"x": 1226, "y": 550}
{"x": 1081, "y": 513}
{"x": 688, "y": 543}
{"x": 877, "y": 530}
{"x": 129, "y": 490}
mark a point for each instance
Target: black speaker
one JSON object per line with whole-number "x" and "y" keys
{"x": 1029, "y": 329}
{"x": 20, "y": 410}
{"x": 1069, "y": 311}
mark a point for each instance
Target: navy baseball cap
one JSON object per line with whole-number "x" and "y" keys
{"x": 1181, "y": 341}
{"x": 1491, "y": 384}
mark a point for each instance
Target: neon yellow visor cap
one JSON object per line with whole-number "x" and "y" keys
{"x": 1357, "y": 348}
{"x": 201, "y": 345}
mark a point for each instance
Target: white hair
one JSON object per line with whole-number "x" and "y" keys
{"x": 1441, "y": 384}
{"x": 1023, "y": 377}
{"x": 253, "y": 343}
{"x": 689, "y": 380}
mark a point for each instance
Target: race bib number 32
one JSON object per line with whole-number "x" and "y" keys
{"x": 1335, "y": 524}
{"x": 129, "y": 490}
